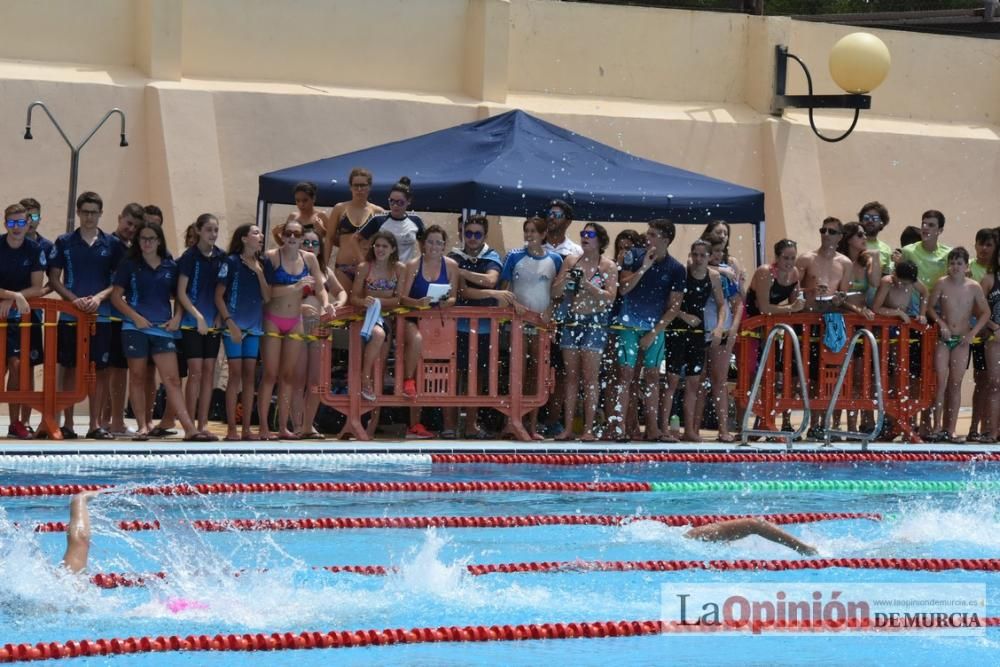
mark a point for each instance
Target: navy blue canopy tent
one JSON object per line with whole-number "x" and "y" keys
{"x": 513, "y": 164}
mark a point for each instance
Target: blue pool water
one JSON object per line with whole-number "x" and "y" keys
{"x": 432, "y": 587}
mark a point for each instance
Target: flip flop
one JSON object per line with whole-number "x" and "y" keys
{"x": 728, "y": 440}
{"x": 99, "y": 434}
{"x": 313, "y": 435}
{"x": 200, "y": 437}
{"x": 140, "y": 437}
{"x": 160, "y": 432}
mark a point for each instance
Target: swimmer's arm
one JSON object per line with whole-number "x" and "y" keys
{"x": 727, "y": 531}
{"x": 78, "y": 533}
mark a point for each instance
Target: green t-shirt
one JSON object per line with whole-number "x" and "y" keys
{"x": 978, "y": 271}
{"x": 930, "y": 265}
{"x": 884, "y": 254}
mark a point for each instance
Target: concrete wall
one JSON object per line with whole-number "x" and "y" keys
{"x": 219, "y": 91}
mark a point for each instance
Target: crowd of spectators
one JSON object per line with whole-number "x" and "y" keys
{"x": 637, "y": 322}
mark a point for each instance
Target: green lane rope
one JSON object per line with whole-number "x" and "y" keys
{"x": 850, "y": 485}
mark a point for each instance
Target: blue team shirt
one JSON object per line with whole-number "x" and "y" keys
{"x": 645, "y": 304}
{"x": 488, "y": 259}
{"x": 44, "y": 244}
{"x": 242, "y": 296}
{"x": 149, "y": 291}
{"x": 87, "y": 269}
{"x": 203, "y": 274}
{"x": 17, "y": 265}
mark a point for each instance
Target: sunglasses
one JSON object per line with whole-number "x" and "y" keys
{"x": 17, "y": 223}
{"x": 869, "y": 217}
{"x": 35, "y": 217}
{"x": 397, "y": 202}
{"x": 309, "y": 243}
{"x": 588, "y": 234}
{"x": 469, "y": 234}
{"x": 829, "y": 231}
{"x": 557, "y": 214}
{"x": 290, "y": 234}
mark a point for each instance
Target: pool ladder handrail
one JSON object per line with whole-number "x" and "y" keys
{"x": 788, "y": 437}
{"x": 865, "y": 438}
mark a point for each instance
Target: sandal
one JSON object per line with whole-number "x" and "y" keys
{"x": 140, "y": 437}
{"x": 68, "y": 433}
{"x": 727, "y": 440}
{"x": 99, "y": 434}
{"x": 311, "y": 435}
{"x": 200, "y": 437}
{"x": 447, "y": 434}
{"x": 160, "y": 432}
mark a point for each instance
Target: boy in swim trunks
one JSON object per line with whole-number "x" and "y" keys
{"x": 960, "y": 298}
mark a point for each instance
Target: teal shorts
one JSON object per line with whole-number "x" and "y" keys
{"x": 627, "y": 348}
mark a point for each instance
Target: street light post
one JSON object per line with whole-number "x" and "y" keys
{"x": 74, "y": 158}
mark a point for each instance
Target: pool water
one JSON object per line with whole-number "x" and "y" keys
{"x": 278, "y": 588}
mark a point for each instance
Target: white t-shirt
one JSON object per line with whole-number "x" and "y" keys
{"x": 565, "y": 249}
{"x": 531, "y": 277}
{"x": 404, "y": 230}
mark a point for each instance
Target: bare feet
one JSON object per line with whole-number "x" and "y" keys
{"x": 565, "y": 435}
{"x": 690, "y": 436}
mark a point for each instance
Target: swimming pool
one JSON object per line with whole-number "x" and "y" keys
{"x": 429, "y": 584}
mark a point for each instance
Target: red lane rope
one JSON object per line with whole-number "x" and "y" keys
{"x": 469, "y": 633}
{"x": 109, "y": 580}
{"x": 714, "y": 457}
{"x": 334, "y": 487}
{"x": 504, "y": 521}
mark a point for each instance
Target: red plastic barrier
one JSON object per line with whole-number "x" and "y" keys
{"x": 346, "y": 638}
{"x": 110, "y": 580}
{"x": 715, "y": 457}
{"x": 896, "y": 343}
{"x": 504, "y": 521}
{"x": 339, "y": 487}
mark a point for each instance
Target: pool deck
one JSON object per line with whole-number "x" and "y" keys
{"x": 173, "y": 446}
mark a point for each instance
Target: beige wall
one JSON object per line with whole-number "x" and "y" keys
{"x": 219, "y": 91}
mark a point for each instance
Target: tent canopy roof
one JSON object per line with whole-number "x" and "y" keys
{"x": 513, "y": 164}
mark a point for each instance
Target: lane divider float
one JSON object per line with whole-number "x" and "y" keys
{"x": 76, "y": 463}
{"x": 736, "y": 486}
{"x": 109, "y": 580}
{"x": 576, "y": 459}
{"x": 502, "y": 521}
{"x": 276, "y": 641}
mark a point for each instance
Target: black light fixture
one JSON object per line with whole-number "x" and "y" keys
{"x": 859, "y": 62}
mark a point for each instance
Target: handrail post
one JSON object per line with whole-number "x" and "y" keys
{"x": 804, "y": 386}
{"x": 880, "y": 403}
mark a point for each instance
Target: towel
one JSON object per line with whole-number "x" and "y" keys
{"x": 835, "y": 337}
{"x": 373, "y": 316}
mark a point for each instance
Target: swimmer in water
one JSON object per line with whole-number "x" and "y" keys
{"x": 78, "y": 533}
{"x": 736, "y": 529}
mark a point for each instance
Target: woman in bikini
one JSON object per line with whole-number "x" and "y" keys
{"x": 589, "y": 284}
{"x": 304, "y": 408}
{"x": 431, "y": 268}
{"x": 305, "y": 202}
{"x": 780, "y": 282}
{"x": 346, "y": 218}
{"x": 240, "y": 296}
{"x": 289, "y": 271}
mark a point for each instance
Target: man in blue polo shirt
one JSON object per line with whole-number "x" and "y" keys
{"x": 113, "y": 417}
{"x": 652, "y": 286}
{"x": 479, "y": 269}
{"x": 81, "y": 265}
{"x": 22, "y": 272}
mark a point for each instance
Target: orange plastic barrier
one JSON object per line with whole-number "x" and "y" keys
{"x": 437, "y": 377}
{"x": 48, "y": 400}
{"x": 897, "y": 343}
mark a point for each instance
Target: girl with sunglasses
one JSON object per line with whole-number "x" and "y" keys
{"x": 304, "y": 407}
{"x": 144, "y": 285}
{"x": 345, "y": 220}
{"x": 588, "y": 284}
{"x": 289, "y": 272}
{"x": 240, "y": 296}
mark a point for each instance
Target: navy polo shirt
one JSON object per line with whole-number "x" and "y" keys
{"x": 87, "y": 269}
{"x": 44, "y": 244}
{"x": 149, "y": 292}
{"x": 645, "y": 304}
{"x": 488, "y": 259}
{"x": 17, "y": 265}
{"x": 203, "y": 274}
{"x": 243, "y": 298}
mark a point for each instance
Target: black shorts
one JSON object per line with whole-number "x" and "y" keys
{"x": 100, "y": 345}
{"x": 35, "y": 339}
{"x": 685, "y": 352}
{"x": 116, "y": 358}
{"x": 197, "y": 346}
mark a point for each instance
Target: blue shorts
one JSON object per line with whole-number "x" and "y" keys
{"x": 628, "y": 349}
{"x": 34, "y": 338}
{"x": 588, "y": 333}
{"x": 100, "y": 345}
{"x": 248, "y": 349}
{"x": 140, "y": 345}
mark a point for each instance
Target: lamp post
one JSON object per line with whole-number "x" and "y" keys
{"x": 74, "y": 158}
{"x": 859, "y": 62}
